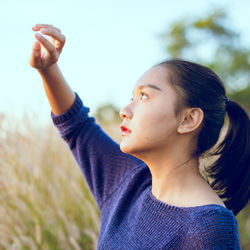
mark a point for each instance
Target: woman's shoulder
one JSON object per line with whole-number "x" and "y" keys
{"x": 214, "y": 220}
{"x": 214, "y": 225}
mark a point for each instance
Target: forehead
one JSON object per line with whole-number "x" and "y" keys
{"x": 155, "y": 77}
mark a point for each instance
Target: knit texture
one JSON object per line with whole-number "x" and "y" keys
{"x": 131, "y": 217}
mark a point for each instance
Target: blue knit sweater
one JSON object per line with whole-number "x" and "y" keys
{"x": 131, "y": 217}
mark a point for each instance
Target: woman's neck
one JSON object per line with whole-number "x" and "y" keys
{"x": 174, "y": 178}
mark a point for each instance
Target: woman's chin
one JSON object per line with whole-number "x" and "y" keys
{"x": 129, "y": 149}
{"x": 124, "y": 148}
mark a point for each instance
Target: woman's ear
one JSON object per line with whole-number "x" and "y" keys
{"x": 190, "y": 120}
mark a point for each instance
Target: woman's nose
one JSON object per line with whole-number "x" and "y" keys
{"x": 125, "y": 113}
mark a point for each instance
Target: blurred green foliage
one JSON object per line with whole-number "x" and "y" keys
{"x": 107, "y": 113}
{"x": 211, "y": 41}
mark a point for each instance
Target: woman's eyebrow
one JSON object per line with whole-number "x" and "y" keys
{"x": 149, "y": 85}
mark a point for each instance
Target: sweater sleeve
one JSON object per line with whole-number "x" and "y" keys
{"x": 99, "y": 157}
{"x": 214, "y": 229}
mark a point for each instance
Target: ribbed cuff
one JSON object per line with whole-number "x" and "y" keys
{"x": 57, "y": 119}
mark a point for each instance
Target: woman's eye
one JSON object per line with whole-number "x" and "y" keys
{"x": 142, "y": 95}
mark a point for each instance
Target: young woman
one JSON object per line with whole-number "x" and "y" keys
{"x": 149, "y": 188}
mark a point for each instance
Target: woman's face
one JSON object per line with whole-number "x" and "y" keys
{"x": 150, "y": 115}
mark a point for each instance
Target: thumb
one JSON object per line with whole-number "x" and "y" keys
{"x": 37, "y": 49}
{"x": 36, "y": 54}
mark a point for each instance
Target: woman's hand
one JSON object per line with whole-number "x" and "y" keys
{"x": 53, "y": 48}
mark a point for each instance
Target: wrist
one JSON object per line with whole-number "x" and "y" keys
{"x": 48, "y": 70}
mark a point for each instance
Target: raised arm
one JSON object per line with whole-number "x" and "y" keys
{"x": 58, "y": 92}
{"x": 100, "y": 159}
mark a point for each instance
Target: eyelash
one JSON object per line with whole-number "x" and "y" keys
{"x": 141, "y": 93}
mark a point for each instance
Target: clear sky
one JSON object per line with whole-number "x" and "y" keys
{"x": 109, "y": 44}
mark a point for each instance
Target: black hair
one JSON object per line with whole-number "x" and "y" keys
{"x": 198, "y": 86}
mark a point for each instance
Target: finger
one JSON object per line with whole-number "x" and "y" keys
{"x": 56, "y": 29}
{"x": 60, "y": 38}
{"x": 47, "y": 45}
{"x": 36, "y": 54}
{"x": 35, "y": 28}
{"x": 40, "y": 26}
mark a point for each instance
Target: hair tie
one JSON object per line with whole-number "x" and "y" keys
{"x": 227, "y": 100}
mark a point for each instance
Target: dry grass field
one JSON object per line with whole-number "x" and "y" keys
{"x": 44, "y": 201}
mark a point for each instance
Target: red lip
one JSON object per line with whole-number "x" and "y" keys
{"x": 125, "y": 129}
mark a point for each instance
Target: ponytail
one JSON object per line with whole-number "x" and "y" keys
{"x": 231, "y": 171}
